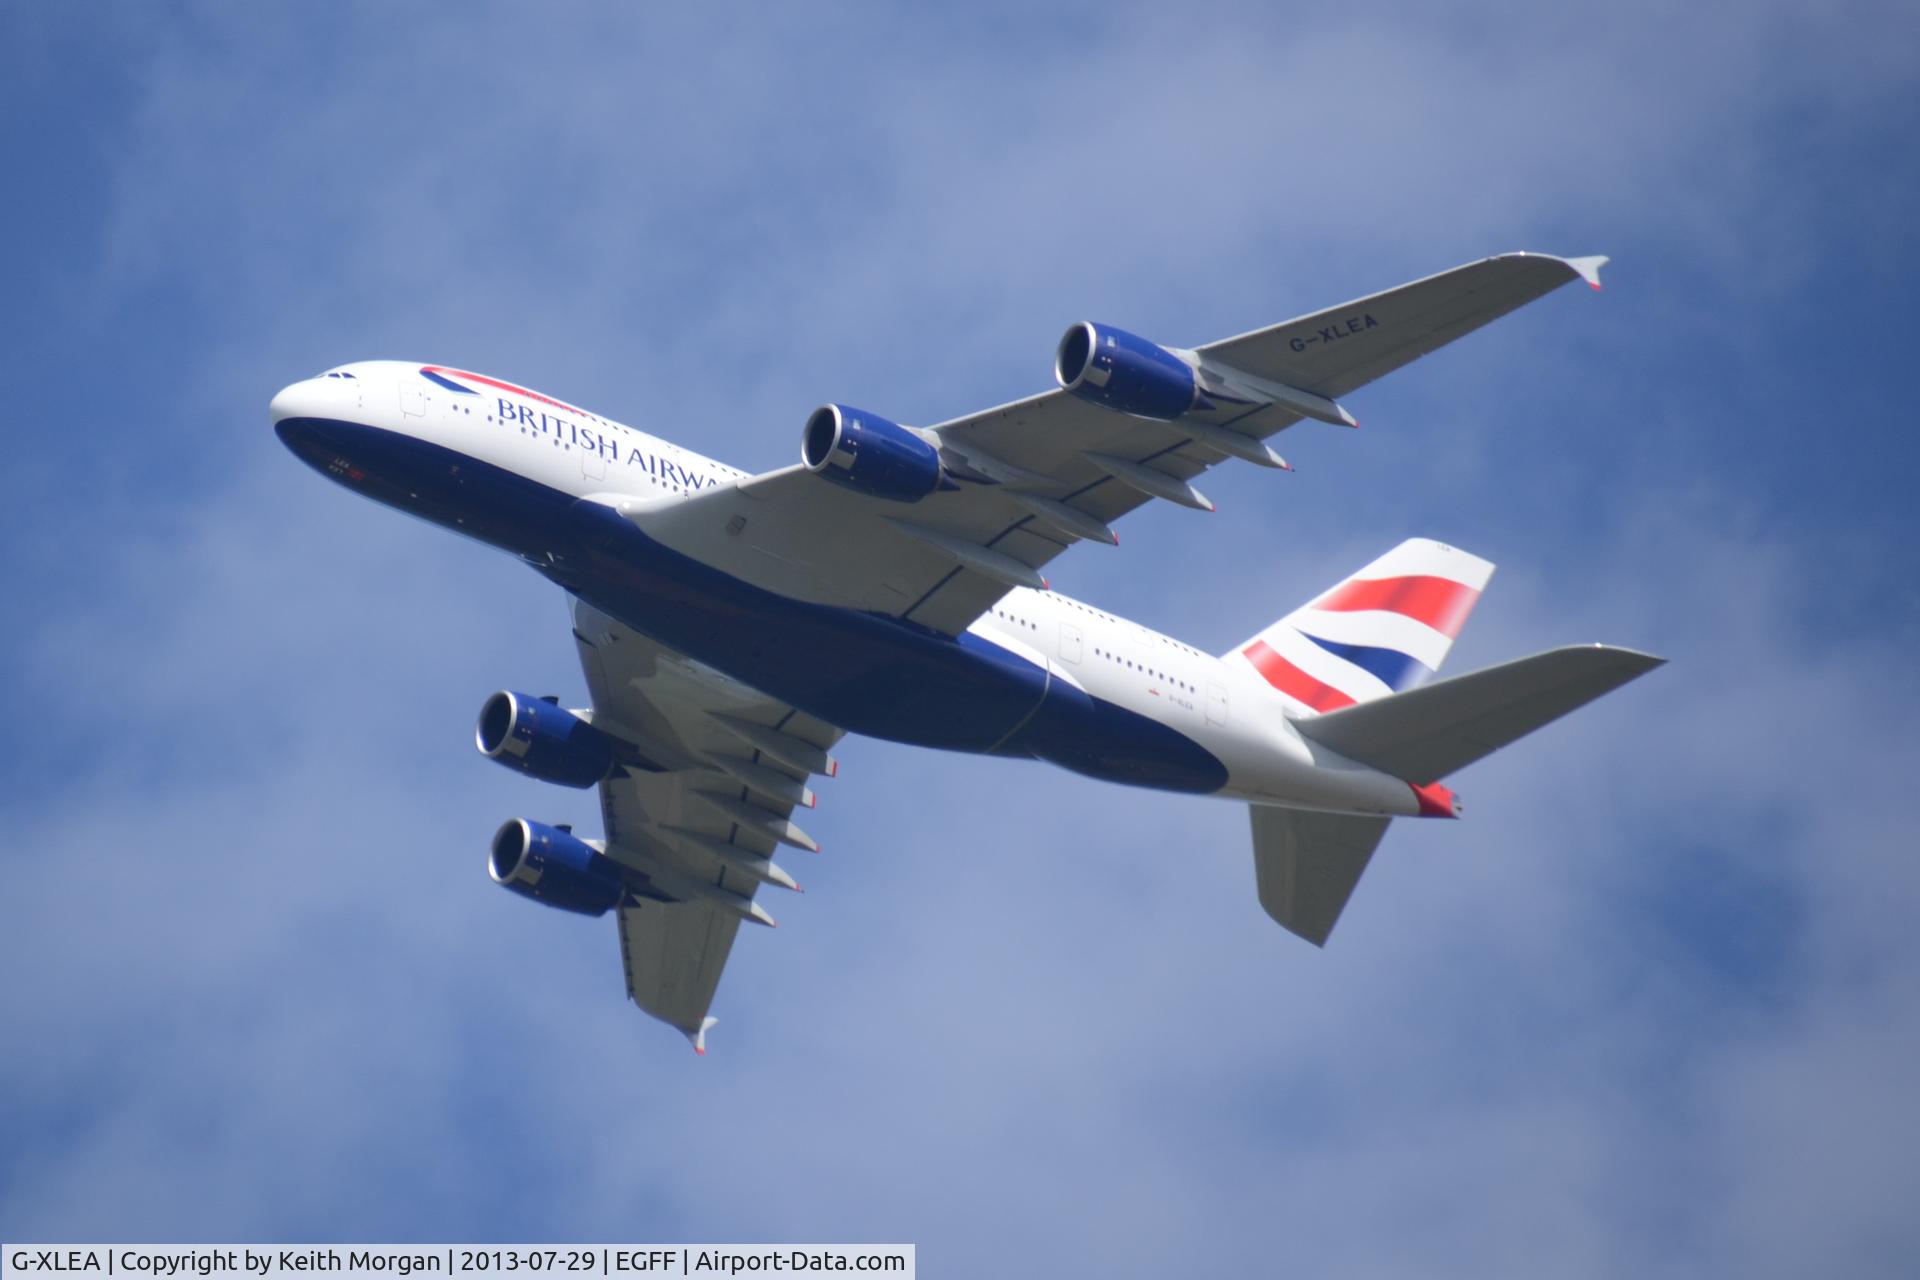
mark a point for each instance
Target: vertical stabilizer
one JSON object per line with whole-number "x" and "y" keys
{"x": 1385, "y": 629}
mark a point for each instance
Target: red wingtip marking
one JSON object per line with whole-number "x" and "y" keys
{"x": 1436, "y": 801}
{"x": 833, "y": 769}
{"x": 1211, "y": 507}
{"x": 702, "y": 1052}
{"x": 1045, "y": 585}
{"x": 813, "y": 802}
{"x": 1595, "y": 284}
{"x": 1286, "y": 466}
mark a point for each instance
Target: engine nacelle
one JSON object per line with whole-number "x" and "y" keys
{"x": 1117, "y": 370}
{"x": 542, "y": 741}
{"x": 554, "y": 867}
{"x": 870, "y": 454}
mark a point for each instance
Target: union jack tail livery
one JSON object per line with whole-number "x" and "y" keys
{"x": 1383, "y": 630}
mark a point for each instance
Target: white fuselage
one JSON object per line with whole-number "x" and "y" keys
{"x": 1221, "y": 707}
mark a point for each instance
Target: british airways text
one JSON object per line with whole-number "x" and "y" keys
{"x": 600, "y": 441}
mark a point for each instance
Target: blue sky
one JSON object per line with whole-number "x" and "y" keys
{"x": 1653, "y": 1007}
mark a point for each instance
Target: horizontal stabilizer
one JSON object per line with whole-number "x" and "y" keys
{"x": 1427, "y": 733}
{"x": 1306, "y": 865}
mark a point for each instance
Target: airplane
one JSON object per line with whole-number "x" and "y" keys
{"x": 732, "y": 627}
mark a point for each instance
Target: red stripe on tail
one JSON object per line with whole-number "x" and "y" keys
{"x": 1292, "y": 681}
{"x": 1439, "y": 602}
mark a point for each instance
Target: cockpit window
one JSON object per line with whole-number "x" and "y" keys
{"x": 339, "y": 373}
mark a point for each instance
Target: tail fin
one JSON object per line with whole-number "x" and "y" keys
{"x": 1385, "y": 629}
{"x": 1307, "y": 864}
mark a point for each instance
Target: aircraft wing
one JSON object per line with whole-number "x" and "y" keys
{"x": 699, "y": 811}
{"x": 1037, "y": 475}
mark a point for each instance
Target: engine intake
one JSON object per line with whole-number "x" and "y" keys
{"x": 869, "y": 454}
{"x": 555, "y": 868}
{"x": 541, "y": 740}
{"x": 1120, "y": 371}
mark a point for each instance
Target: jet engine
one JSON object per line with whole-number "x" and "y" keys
{"x": 552, "y": 866}
{"x": 870, "y": 454}
{"x": 542, "y": 740}
{"x": 1117, "y": 370}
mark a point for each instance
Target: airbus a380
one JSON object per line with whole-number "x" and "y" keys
{"x": 732, "y": 626}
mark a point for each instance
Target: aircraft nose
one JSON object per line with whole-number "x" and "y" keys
{"x": 292, "y": 401}
{"x": 301, "y": 411}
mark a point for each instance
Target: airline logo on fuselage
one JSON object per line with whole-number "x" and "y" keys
{"x": 600, "y": 438}
{"x": 600, "y": 441}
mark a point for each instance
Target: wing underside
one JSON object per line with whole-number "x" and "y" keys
{"x": 697, "y": 813}
{"x": 674, "y": 953}
{"x": 1039, "y": 474}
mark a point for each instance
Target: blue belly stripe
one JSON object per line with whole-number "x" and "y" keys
{"x": 868, "y": 673}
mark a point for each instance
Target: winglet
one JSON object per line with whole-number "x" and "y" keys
{"x": 698, "y": 1039}
{"x": 1588, "y": 268}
